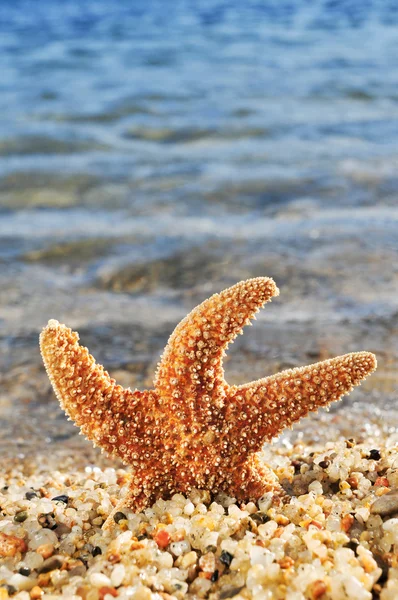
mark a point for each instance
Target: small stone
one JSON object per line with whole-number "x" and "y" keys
{"x": 226, "y": 558}
{"x": 62, "y": 498}
{"x": 386, "y": 504}
{"x": 230, "y": 591}
{"x": 36, "y": 593}
{"x": 317, "y": 589}
{"x": 45, "y": 550}
{"x": 259, "y": 518}
{"x": 10, "y": 545}
{"x": 100, "y": 580}
{"x": 96, "y": 551}
{"x": 9, "y": 590}
{"x": 31, "y": 495}
{"x": 50, "y": 564}
{"x": 47, "y": 521}
{"x": 24, "y": 571}
{"x": 21, "y": 516}
{"x": 20, "y": 582}
{"x": 118, "y": 575}
{"x": 104, "y": 591}
{"x": 286, "y": 562}
{"x": 162, "y": 538}
{"x": 374, "y": 454}
{"x": 188, "y": 559}
{"x": 347, "y": 522}
{"x": 381, "y": 482}
{"x": 353, "y": 482}
{"x": 207, "y": 562}
{"x": 119, "y": 516}
{"x": 324, "y": 464}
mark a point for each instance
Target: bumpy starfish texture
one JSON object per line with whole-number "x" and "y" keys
{"x": 193, "y": 430}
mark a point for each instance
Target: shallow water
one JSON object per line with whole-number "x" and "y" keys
{"x": 145, "y": 165}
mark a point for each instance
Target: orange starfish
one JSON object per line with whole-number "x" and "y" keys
{"x": 193, "y": 430}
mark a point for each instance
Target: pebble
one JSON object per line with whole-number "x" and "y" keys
{"x": 6, "y": 591}
{"x": 318, "y": 589}
{"x": 50, "y": 564}
{"x": 118, "y": 575}
{"x": 31, "y": 495}
{"x": 21, "y": 516}
{"x": 386, "y": 504}
{"x": 119, "y": 516}
{"x": 207, "y": 562}
{"x": 36, "y": 593}
{"x": 20, "y": 582}
{"x": 62, "y": 498}
{"x": 42, "y": 536}
{"x": 162, "y": 538}
{"x": 10, "y": 545}
{"x": 106, "y": 591}
{"x": 374, "y": 454}
{"x": 226, "y": 558}
{"x": 100, "y": 580}
{"x": 45, "y": 550}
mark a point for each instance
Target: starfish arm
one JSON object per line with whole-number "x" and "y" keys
{"x": 260, "y": 410}
{"x": 112, "y": 417}
{"x": 191, "y": 366}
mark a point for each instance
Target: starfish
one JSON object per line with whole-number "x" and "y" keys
{"x": 193, "y": 430}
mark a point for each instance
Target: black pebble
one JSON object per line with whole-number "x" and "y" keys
{"x": 324, "y": 464}
{"x": 97, "y": 550}
{"x": 374, "y": 454}
{"x": 119, "y": 516}
{"x": 24, "y": 571}
{"x": 214, "y": 576}
{"x": 62, "y": 498}
{"x": 226, "y": 558}
{"x": 31, "y": 495}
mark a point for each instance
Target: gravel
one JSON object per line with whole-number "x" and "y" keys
{"x": 337, "y": 539}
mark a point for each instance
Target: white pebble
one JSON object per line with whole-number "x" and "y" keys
{"x": 100, "y": 580}
{"x": 178, "y": 548}
{"x": 189, "y": 508}
{"x": 21, "y": 582}
{"x": 117, "y": 575}
{"x": 42, "y": 536}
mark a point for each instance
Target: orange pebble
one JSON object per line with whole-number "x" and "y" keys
{"x": 347, "y": 522}
{"x": 382, "y": 482}
{"x": 45, "y": 550}
{"x": 286, "y": 562}
{"x": 36, "y": 592}
{"x": 10, "y": 545}
{"x": 162, "y": 538}
{"x": 107, "y": 590}
{"x": 318, "y": 588}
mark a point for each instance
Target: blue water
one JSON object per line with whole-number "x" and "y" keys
{"x": 190, "y": 88}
